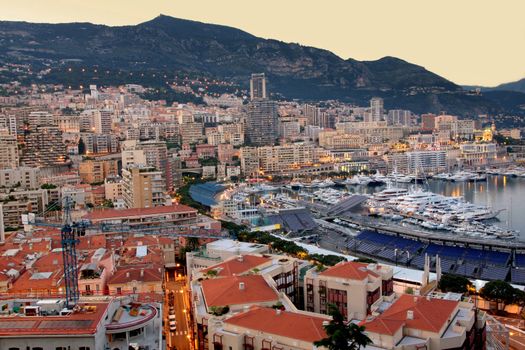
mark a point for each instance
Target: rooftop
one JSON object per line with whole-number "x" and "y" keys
{"x": 137, "y": 212}
{"x": 230, "y": 291}
{"x": 428, "y": 315}
{"x": 238, "y": 265}
{"x": 83, "y": 321}
{"x": 283, "y": 323}
{"x": 350, "y": 270}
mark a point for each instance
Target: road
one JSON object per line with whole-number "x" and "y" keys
{"x": 179, "y": 339}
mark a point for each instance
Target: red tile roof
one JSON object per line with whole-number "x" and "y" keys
{"x": 286, "y": 324}
{"x": 236, "y": 266}
{"x": 78, "y": 323}
{"x": 429, "y": 315}
{"x": 350, "y": 270}
{"x": 26, "y": 284}
{"x": 98, "y": 215}
{"x": 226, "y": 291}
{"x": 150, "y": 274}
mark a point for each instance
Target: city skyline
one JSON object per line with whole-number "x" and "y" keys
{"x": 477, "y": 46}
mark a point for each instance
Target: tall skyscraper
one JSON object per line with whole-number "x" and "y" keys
{"x": 262, "y": 119}
{"x": 262, "y": 123}
{"x": 258, "y": 87}
{"x": 376, "y": 109}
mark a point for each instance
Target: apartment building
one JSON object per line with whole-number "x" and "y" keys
{"x": 9, "y": 157}
{"x": 416, "y": 322}
{"x": 23, "y": 177}
{"x": 260, "y": 328}
{"x": 96, "y": 171}
{"x": 338, "y": 139}
{"x": 143, "y": 187}
{"x": 355, "y": 288}
{"x": 279, "y": 159}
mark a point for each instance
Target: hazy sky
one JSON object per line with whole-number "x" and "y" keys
{"x": 466, "y": 41}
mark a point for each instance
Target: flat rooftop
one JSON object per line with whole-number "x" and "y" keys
{"x": 81, "y": 322}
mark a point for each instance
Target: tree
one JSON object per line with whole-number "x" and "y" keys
{"x": 81, "y": 147}
{"x": 499, "y": 292}
{"x": 342, "y": 335}
{"x": 192, "y": 243}
{"x": 454, "y": 283}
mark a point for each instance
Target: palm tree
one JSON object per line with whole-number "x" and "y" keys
{"x": 342, "y": 335}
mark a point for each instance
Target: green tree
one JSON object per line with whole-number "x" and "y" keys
{"x": 454, "y": 283}
{"x": 81, "y": 147}
{"x": 192, "y": 243}
{"x": 499, "y": 292}
{"x": 342, "y": 335}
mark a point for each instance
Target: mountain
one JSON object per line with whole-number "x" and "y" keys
{"x": 167, "y": 44}
{"x": 518, "y": 86}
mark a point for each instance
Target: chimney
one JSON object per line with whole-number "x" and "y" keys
{"x": 277, "y": 311}
{"x": 325, "y": 323}
{"x": 141, "y": 272}
{"x": 127, "y": 274}
{"x": 410, "y": 315}
{"x": 241, "y": 285}
{"x": 240, "y": 258}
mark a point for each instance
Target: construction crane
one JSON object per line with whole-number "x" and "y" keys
{"x": 71, "y": 231}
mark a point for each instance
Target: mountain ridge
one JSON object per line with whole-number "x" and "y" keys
{"x": 295, "y": 71}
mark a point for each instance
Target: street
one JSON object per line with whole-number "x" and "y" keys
{"x": 180, "y": 338}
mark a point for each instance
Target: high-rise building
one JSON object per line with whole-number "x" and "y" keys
{"x": 428, "y": 121}
{"x": 376, "y": 109}
{"x": 8, "y": 122}
{"x": 8, "y": 150}
{"x": 262, "y": 123}
{"x": 399, "y": 117}
{"x": 103, "y": 122}
{"x": 44, "y": 147}
{"x": 143, "y": 187}
{"x": 258, "y": 87}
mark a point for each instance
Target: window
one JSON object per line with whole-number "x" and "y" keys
{"x": 119, "y": 290}
{"x": 84, "y": 348}
{"x": 38, "y": 348}
{"x": 13, "y": 349}
{"x": 60, "y": 348}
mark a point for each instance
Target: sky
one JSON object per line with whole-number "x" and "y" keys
{"x": 471, "y": 42}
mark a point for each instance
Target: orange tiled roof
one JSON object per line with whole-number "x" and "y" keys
{"x": 25, "y": 283}
{"x": 49, "y": 262}
{"x": 226, "y": 291}
{"x": 235, "y": 266}
{"x": 150, "y": 274}
{"x": 74, "y": 324}
{"x": 429, "y": 315}
{"x": 349, "y": 269}
{"x": 286, "y": 324}
{"x": 137, "y": 212}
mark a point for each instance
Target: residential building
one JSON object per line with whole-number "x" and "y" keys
{"x": 354, "y": 288}
{"x": 96, "y": 171}
{"x": 267, "y": 328}
{"x": 8, "y": 150}
{"x": 143, "y": 187}
{"x": 428, "y": 122}
{"x": 262, "y": 123}
{"x": 258, "y": 87}
{"x": 23, "y": 177}
{"x": 417, "y": 322}
{"x": 43, "y": 147}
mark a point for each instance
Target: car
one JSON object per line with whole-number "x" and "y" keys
{"x": 171, "y": 317}
{"x": 173, "y": 325}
